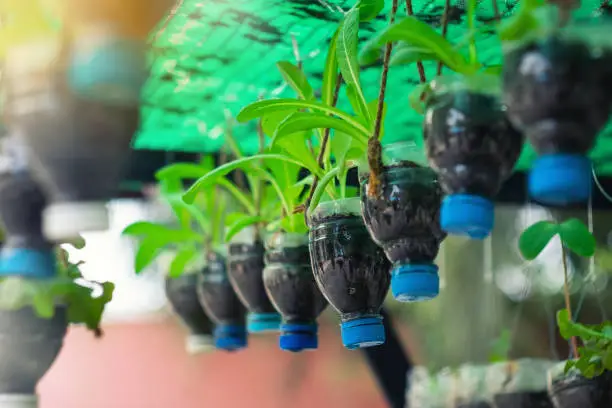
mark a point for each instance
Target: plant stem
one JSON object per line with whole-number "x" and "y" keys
{"x": 410, "y": 12}
{"x": 321, "y": 156}
{"x": 444, "y": 30}
{"x": 374, "y": 145}
{"x": 568, "y": 304}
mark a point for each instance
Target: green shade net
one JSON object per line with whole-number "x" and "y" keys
{"x": 216, "y": 56}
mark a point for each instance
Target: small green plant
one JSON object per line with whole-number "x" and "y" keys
{"x": 292, "y": 119}
{"x": 199, "y": 225}
{"x": 595, "y": 355}
{"x": 500, "y": 347}
{"x": 256, "y": 201}
{"x": 417, "y": 41}
{"x": 68, "y": 289}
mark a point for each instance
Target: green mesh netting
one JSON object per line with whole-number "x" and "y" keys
{"x": 216, "y": 56}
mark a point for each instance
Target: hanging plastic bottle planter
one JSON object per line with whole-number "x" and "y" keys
{"x": 29, "y": 344}
{"x": 472, "y": 147}
{"x": 351, "y": 270}
{"x": 291, "y": 286}
{"x": 245, "y": 269}
{"x": 404, "y": 219}
{"x": 572, "y": 389}
{"x": 74, "y": 99}
{"x": 222, "y": 305}
{"x": 520, "y": 383}
{"x": 555, "y": 90}
{"x": 182, "y": 294}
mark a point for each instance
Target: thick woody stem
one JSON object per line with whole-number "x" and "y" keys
{"x": 374, "y": 146}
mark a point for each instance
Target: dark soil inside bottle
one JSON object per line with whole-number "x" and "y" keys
{"x": 291, "y": 285}
{"x": 578, "y": 391}
{"x": 405, "y": 218}
{"x": 523, "y": 400}
{"x": 217, "y": 296}
{"x": 28, "y": 347}
{"x": 183, "y": 296}
{"x": 556, "y": 88}
{"x": 21, "y": 206}
{"x": 351, "y": 269}
{"x": 245, "y": 269}
{"x": 470, "y": 143}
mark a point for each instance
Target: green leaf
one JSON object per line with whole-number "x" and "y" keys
{"x": 85, "y": 309}
{"x": 270, "y": 122}
{"x": 521, "y": 23}
{"x": 296, "y": 79}
{"x": 148, "y": 250}
{"x": 296, "y": 148}
{"x": 500, "y": 348}
{"x": 370, "y": 9}
{"x": 43, "y": 304}
{"x": 418, "y": 34}
{"x": 330, "y": 72}
{"x": 180, "y": 262}
{"x": 535, "y": 238}
{"x": 285, "y": 173}
{"x": 247, "y": 163}
{"x": 161, "y": 232}
{"x": 302, "y": 121}
{"x": 294, "y": 223}
{"x": 340, "y": 144}
{"x": 569, "y": 329}
{"x": 577, "y": 237}
{"x": 407, "y": 54}
{"x": 261, "y": 108}
{"x": 371, "y": 51}
{"x": 77, "y": 242}
{"x": 240, "y": 224}
{"x": 346, "y": 53}
{"x": 318, "y": 193}
{"x": 495, "y": 70}
{"x": 180, "y": 171}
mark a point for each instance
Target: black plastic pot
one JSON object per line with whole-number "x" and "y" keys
{"x": 574, "y": 390}
{"x": 522, "y": 400}
{"x": 245, "y": 268}
{"x": 291, "y": 286}
{"x": 555, "y": 90}
{"x": 183, "y": 297}
{"x": 25, "y": 251}
{"x": 404, "y": 219}
{"x": 28, "y": 347}
{"x": 222, "y": 305}
{"x": 351, "y": 270}
{"x": 473, "y": 148}
{"x": 79, "y": 140}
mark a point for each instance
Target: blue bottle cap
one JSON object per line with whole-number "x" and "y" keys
{"x": 263, "y": 322}
{"x": 113, "y": 73}
{"x": 363, "y": 332}
{"x": 465, "y": 214}
{"x": 560, "y": 179}
{"x": 28, "y": 263}
{"x": 298, "y": 337}
{"x": 230, "y": 337}
{"x": 415, "y": 282}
